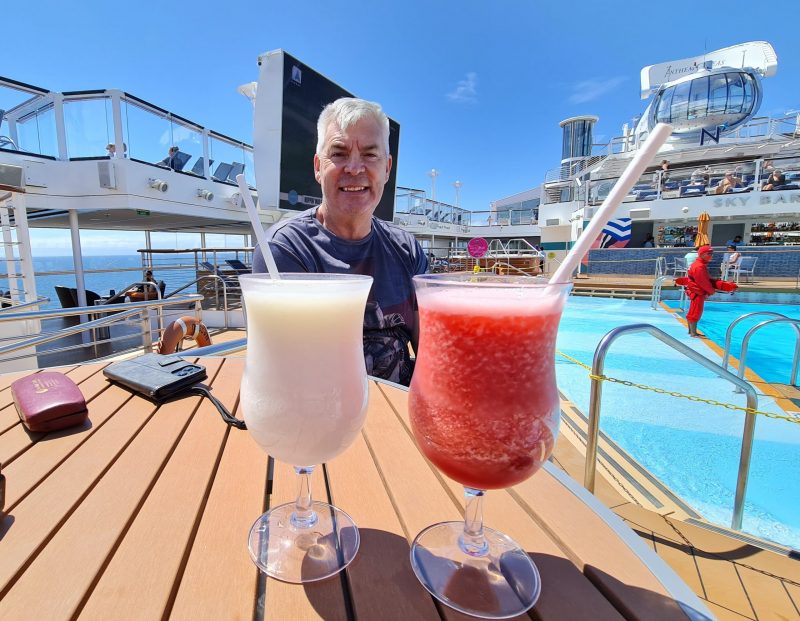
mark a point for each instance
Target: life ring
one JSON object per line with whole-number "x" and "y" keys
{"x": 183, "y": 328}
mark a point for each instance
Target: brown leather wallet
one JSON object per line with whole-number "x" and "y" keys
{"x": 48, "y": 401}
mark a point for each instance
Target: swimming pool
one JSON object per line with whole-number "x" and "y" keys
{"x": 692, "y": 447}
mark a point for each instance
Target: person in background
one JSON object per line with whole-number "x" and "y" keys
{"x": 774, "y": 181}
{"x": 663, "y": 169}
{"x": 111, "y": 148}
{"x": 701, "y": 175}
{"x": 728, "y": 184}
{"x": 650, "y": 242}
{"x": 735, "y": 241}
{"x": 700, "y": 286}
{"x": 169, "y": 161}
{"x": 341, "y": 235}
{"x": 729, "y": 260}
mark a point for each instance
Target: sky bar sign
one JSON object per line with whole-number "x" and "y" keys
{"x": 757, "y": 55}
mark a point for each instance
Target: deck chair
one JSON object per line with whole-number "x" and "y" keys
{"x": 197, "y": 169}
{"x": 179, "y": 160}
{"x": 222, "y": 172}
{"x": 65, "y": 297}
{"x": 236, "y": 169}
{"x": 238, "y": 266}
{"x": 230, "y": 279}
{"x": 679, "y": 267}
{"x": 746, "y": 266}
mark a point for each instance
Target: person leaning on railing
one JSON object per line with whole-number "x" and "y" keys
{"x": 773, "y": 182}
{"x": 728, "y": 184}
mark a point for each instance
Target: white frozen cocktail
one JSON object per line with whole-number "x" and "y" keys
{"x": 304, "y": 399}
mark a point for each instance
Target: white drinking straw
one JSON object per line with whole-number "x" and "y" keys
{"x": 614, "y": 199}
{"x": 258, "y": 228}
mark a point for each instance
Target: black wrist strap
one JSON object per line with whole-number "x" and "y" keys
{"x": 205, "y": 391}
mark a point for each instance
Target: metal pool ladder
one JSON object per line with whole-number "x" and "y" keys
{"x": 598, "y": 364}
{"x": 777, "y": 318}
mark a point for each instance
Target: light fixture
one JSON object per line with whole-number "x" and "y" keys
{"x": 206, "y": 194}
{"x": 158, "y": 184}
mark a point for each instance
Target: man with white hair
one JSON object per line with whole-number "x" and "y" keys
{"x": 341, "y": 235}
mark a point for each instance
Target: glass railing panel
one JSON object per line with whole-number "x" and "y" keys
{"x": 228, "y": 159}
{"x": 189, "y": 141}
{"x": 36, "y": 132}
{"x": 89, "y": 126}
{"x": 148, "y": 134}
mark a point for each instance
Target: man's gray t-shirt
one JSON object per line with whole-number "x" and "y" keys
{"x": 389, "y": 254}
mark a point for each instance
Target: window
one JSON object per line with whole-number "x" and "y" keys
{"x": 698, "y": 98}
{"x": 680, "y": 100}
{"x": 735, "y": 93}
{"x": 718, "y": 96}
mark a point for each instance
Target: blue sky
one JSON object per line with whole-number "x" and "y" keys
{"x": 478, "y": 87}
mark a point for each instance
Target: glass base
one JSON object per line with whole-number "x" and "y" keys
{"x": 499, "y": 584}
{"x": 304, "y": 553}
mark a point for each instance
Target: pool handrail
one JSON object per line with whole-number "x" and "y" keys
{"x": 746, "y": 343}
{"x": 655, "y": 294}
{"x": 595, "y": 396}
{"x": 729, "y": 332}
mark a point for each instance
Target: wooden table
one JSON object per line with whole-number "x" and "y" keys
{"x": 144, "y": 514}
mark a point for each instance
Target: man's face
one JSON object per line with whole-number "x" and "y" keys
{"x": 353, "y": 167}
{"x": 706, "y": 257}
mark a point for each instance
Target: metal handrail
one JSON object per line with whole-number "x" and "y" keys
{"x": 655, "y": 295}
{"x": 120, "y": 312}
{"x": 729, "y": 333}
{"x": 37, "y": 302}
{"x": 596, "y": 393}
{"x": 746, "y": 342}
{"x": 224, "y": 292}
{"x": 220, "y": 349}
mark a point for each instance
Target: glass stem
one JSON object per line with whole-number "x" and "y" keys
{"x": 303, "y": 516}
{"x": 472, "y": 541}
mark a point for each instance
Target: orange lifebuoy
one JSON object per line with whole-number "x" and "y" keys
{"x": 183, "y": 328}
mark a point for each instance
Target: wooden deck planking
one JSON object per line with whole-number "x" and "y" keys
{"x": 219, "y": 554}
{"x": 165, "y": 535}
{"x": 590, "y": 540}
{"x": 769, "y": 598}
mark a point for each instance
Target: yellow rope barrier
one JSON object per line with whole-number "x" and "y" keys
{"x": 792, "y": 418}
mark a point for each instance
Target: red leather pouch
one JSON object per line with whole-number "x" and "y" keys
{"x": 48, "y": 401}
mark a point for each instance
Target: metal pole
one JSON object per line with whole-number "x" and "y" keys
{"x": 595, "y": 395}
{"x": 746, "y": 344}
{"x": 77, "y": 257}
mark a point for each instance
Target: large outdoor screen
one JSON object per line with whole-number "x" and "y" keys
{"x": 285, "y": 175}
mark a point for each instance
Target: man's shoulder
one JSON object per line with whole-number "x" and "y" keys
{"x": 291, "y": 227}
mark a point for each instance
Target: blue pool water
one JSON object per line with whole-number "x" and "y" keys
{"x": 692, "y": 447}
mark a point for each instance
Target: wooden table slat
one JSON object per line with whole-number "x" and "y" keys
{"x": 358, "y": 489}
{"x": 112, "y": 502}
{"x": 566, "y": 592}
{"x": 322, "y": 600}
{"x": 219, "y": 580}
{"x": 145, "y": 514}
{"x": 150, "y": 557}
{"x": 17, "y": 440}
